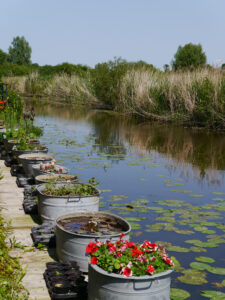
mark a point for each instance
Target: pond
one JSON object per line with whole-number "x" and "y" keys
{"x": 167, "y": 181}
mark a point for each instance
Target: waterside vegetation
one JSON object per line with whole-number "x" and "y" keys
{"x": 190, "y": 92}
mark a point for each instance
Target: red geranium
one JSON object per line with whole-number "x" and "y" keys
{"x": 127, "y": 272}
{"x": 94, "y": 260}
{"x": 150, "y": 269}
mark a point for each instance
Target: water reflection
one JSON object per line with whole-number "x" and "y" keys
{"x": 116, "y": 134}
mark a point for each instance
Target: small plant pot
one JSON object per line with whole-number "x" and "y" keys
{"x": 17, "y": 153}
{"x": 103, "y": 285}
{"x": 28, "y": 160}
{"x": 37, "y": 171}
{"x": 61, "y": 287}
{"x": 51, "y": 207}
{"x": 71, "y": 246}
{"x": 56, "y": 178}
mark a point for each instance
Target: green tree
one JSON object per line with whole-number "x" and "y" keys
{"x": 3, "y": 57}
{"x": 189, "y": 56}
{"x": 20, "y": 51}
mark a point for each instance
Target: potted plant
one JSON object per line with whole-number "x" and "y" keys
{"x": 56, "y": 199}
{"x": 49, "y": 168}
{"x": 77, "y": 229}
{"x": 127, "y": 270}
{"x": 56, "y": 178}
{"x": 28, "y": 160}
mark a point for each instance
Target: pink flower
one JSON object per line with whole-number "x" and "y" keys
{"x": 168, "y": 261}
{"x": 127, "y": 272}
{"x": 99, "y": 243}
{"x": 94, "y": 260}
{"x": 152, "y": 258}
{"x": 112, "y": 249}
{"x": 150, "y": 269}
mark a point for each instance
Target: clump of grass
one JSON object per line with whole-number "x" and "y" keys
{"x": 70, "y": 190}
{"x": 11, "y": 273}
{"x": 196, "y": 97}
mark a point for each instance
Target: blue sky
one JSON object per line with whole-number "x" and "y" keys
{"x": 92, "y": 31}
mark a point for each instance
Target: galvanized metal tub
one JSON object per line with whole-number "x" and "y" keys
{"x": 51, "y": 207}
{"x": 36, "y": 170}
{"x": 71, "y": 246}
{"x": 49, "y": 177}
{"x": 16, "y": 153}
{"x": 103, "y": 285}
{"x": 28, "y": 160}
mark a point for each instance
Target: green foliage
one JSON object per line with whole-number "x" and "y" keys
{"x": 190, "y": 56}
{"x": 80, "y": 189}
{"x": 128, "y": 258}
{"x": 11, "y": 273}
{"x": 3, "y": 57}
{"x": 20, "y": 51}
{"x": 11, "y": 69}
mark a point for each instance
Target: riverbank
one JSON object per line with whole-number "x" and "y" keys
{"x": 32, "y": 260}
{"x": 194, "y": 98}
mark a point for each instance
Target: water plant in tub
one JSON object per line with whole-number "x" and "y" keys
{"x": 56, "y": 199}
{"x": 49, "y": 168}
{"x": 127, "y": 270}
{"x": 74, "y": 231}
{"x": 56, "y": 178}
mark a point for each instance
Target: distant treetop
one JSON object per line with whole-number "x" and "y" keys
{"x": 20, "y": 51}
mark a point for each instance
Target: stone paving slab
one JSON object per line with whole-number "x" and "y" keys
{"x": 11, "y": 199}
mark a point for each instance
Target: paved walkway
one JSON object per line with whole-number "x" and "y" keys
{"x": 11, "y": 198}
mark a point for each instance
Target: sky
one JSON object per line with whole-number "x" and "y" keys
{"x": 93, "y": 31}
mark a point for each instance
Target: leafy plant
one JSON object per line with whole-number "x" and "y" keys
{"x": 129, "y": 258}
{"x": 80, "y": 189}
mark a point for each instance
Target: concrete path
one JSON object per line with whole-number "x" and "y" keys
{"x": 11, "y": 198}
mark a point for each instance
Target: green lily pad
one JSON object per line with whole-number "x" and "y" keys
{"x": 194, "y": 277}
{"x": 178, "y": 294}
{"x": 198, "y": 243}
{"x": 177, "y": 248}
{"x": 215, "y": 295}
{"x": 199, "y": 266}
{"x": 181, "y": 191}
{"x": 135, "y": 225}
{"x": 205, "y": 259}
{"x": 219, "y": 199}
{"x": 118, "y": 197}
{"x": 218, "y": 193}
{"x": 215, "y": 270}
{"x": 196, "y": 195}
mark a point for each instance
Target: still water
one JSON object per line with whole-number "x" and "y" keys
{"x": 167, "y": 181}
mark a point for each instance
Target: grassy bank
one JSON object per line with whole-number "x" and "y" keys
{"x": 11, "y": 272}
{"x": 195, "y": 98}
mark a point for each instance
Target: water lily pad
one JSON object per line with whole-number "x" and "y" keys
{"x": 177, "y": 248}
{"x": 178, "y": 294}
{"x": 218, "y": 193}
{"x": 181, "y": 191}
{"x": 118, "y": 197}
{"x": 199, "y": 266}
{"x": 215, "y": 295}
{"x": 135, "y": 225}
{"x": 205, "y": 259}
{"x": 215, "y": 270}
{"x": 194, "y": 277}
{"x": 196, "y": 195}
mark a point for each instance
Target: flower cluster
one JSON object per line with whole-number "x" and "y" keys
{"x": 50, "y": 167}
{"x": 129, "y": 258}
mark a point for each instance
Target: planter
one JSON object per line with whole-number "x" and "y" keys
{"x": 51, "y": 207}
{"x": 11, "y": 144}
{"x": 36, "y": 170}
{"x": 17, "y": 153}
{"x": 71, "y": 246}
{"x": 55, "y": 178}
{"x": 103, "y": 285}
{"x": 28, "y": 160}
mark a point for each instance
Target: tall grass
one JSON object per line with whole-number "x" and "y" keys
{"x": 197, "y": 97}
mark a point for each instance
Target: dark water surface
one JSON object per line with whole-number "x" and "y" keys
{"x": 167, "y": 181}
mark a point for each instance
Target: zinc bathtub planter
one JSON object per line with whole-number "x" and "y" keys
{"x": 36, "y": 170}
{"x": 28, "y": 160}
{"x": 71, "y": 246}
{"x": 50, "y": 207}
{"x": 103, "y": 285}
{"x": 17, "y": 153}
{"x": 51, "y": 177}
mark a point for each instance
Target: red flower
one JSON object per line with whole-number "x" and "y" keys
{"x": 122, "y": 235}
{"x": 152, "y": 258}
{"x": 94, "y": 260}
{"x": 168, "y": 261}
{"x": 127, "y": 272}
{"x": 119, "y": 253}
{"x": 91, "y": 248}
{"x": 112, "y": 249}
{"x": 136, "y": 253}
{"x": 150, "y": 269}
